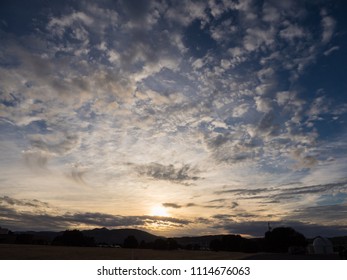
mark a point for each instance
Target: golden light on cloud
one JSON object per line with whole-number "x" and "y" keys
{"x": 159, "y": 211}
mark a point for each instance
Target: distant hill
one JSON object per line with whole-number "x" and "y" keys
{"x": 100, "y": 235}
{"x": 117, "y": 236}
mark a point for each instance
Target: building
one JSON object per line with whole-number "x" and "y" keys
{"x": 322, "y": 246}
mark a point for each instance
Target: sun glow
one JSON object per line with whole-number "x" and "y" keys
{"x": 159, "y": 211}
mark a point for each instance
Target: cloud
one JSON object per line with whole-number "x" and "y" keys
{"x": 55, "y": 143}
{"x": 242, "y": 192}
{"x": 136, "y": 10}
{"x": 157, "y": 171}
{"x": 227, "y": 147}
{"x": 307, "y": 190}
{"x": 217, "y": 8}
{"x": 172, "y": 205}
{"x": 191, "y": 205}
{"x": 292, "y": 32}
{"x": 45, "y": 147}
{"x": 328, "y": 26}
{"x": 224, "y": 217}
{"x": 100, "y": 219}
{"x": 279, "y": 194}
{"x": 218, "y": 200}
{"x": 185, "y": 13}
{"x": 270, "y": 13}
{"x": 235, "y": 152}
{"x": 283, "y": 97}
{"x": 257, "y": 37}
{"x": 263, "y": 104}
{"x": 331, "y": 50}
{"x": 36, "y": 159}
{"x": 333, "y": 215}
{"x": 213, "y": 204}
{"x": 23, "y": 202}
{"x": 303, "y": 160}
{"x": 234, "y": 205}
{"x": 320, "y": 106}
{"x": 268, "y": 124}
{"x": 58, "y": 26}
{"x": 219, "y": 140}
{"x": 273, "y": 201}
{"x": 240, "y": 110}
{"x": 223, "y": 31}
{"x": 77, "y": 172}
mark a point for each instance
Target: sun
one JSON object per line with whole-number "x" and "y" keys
{"x": 159, "y": 211}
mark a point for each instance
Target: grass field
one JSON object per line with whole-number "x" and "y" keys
{"x": 42, "y": 252}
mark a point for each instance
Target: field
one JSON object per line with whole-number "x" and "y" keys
{"x": 42, "y": 252}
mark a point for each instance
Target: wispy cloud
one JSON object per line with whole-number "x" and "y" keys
{"x": 23, "y": 202}
{"x": 172, "y": 205}
{"x": 328, "y": 26}
{"x": 171, "y": 173}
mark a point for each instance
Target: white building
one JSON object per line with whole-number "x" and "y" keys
{"x": 323, "y": 246}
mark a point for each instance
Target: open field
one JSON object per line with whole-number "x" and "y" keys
{"x": 42, "y": 252}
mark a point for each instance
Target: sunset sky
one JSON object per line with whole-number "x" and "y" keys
{"x": 175, "y": 117}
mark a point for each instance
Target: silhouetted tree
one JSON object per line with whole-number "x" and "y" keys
{"x": 73, "y": 238}
{"x": 146, "y": 245}
{"x": 194, "y": 247}
{"x": 231, "y": 243}
{"x": 216, "y": 245}
{"x": 281, "y": 238}
{"x": 165, "y": 244}
{"x": 130, "y": 242}
{"x": 250, "y": 245}
{"x": 24, "y": 238}
{"x": 227, "y": 243}
{"x": 188, "y": 247}
{"x": 159, "y": 244}
{"x": 171, "y": 244}
{"x": 143, "y": 244}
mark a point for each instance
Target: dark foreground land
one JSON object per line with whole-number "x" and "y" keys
{"x": 44, "y": 252}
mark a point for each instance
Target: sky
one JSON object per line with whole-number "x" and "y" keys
{"x": 175, "y": 117}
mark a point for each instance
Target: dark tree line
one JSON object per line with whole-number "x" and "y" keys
{"x": 130, "y": 242}
{"x": 73, "y": 238}
{"x": 158, "y": 244}
{"x": 235, "y": 243}
{"x": 280, "y": 239}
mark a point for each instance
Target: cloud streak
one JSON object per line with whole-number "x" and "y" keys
{"x": 168, "y": 172}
